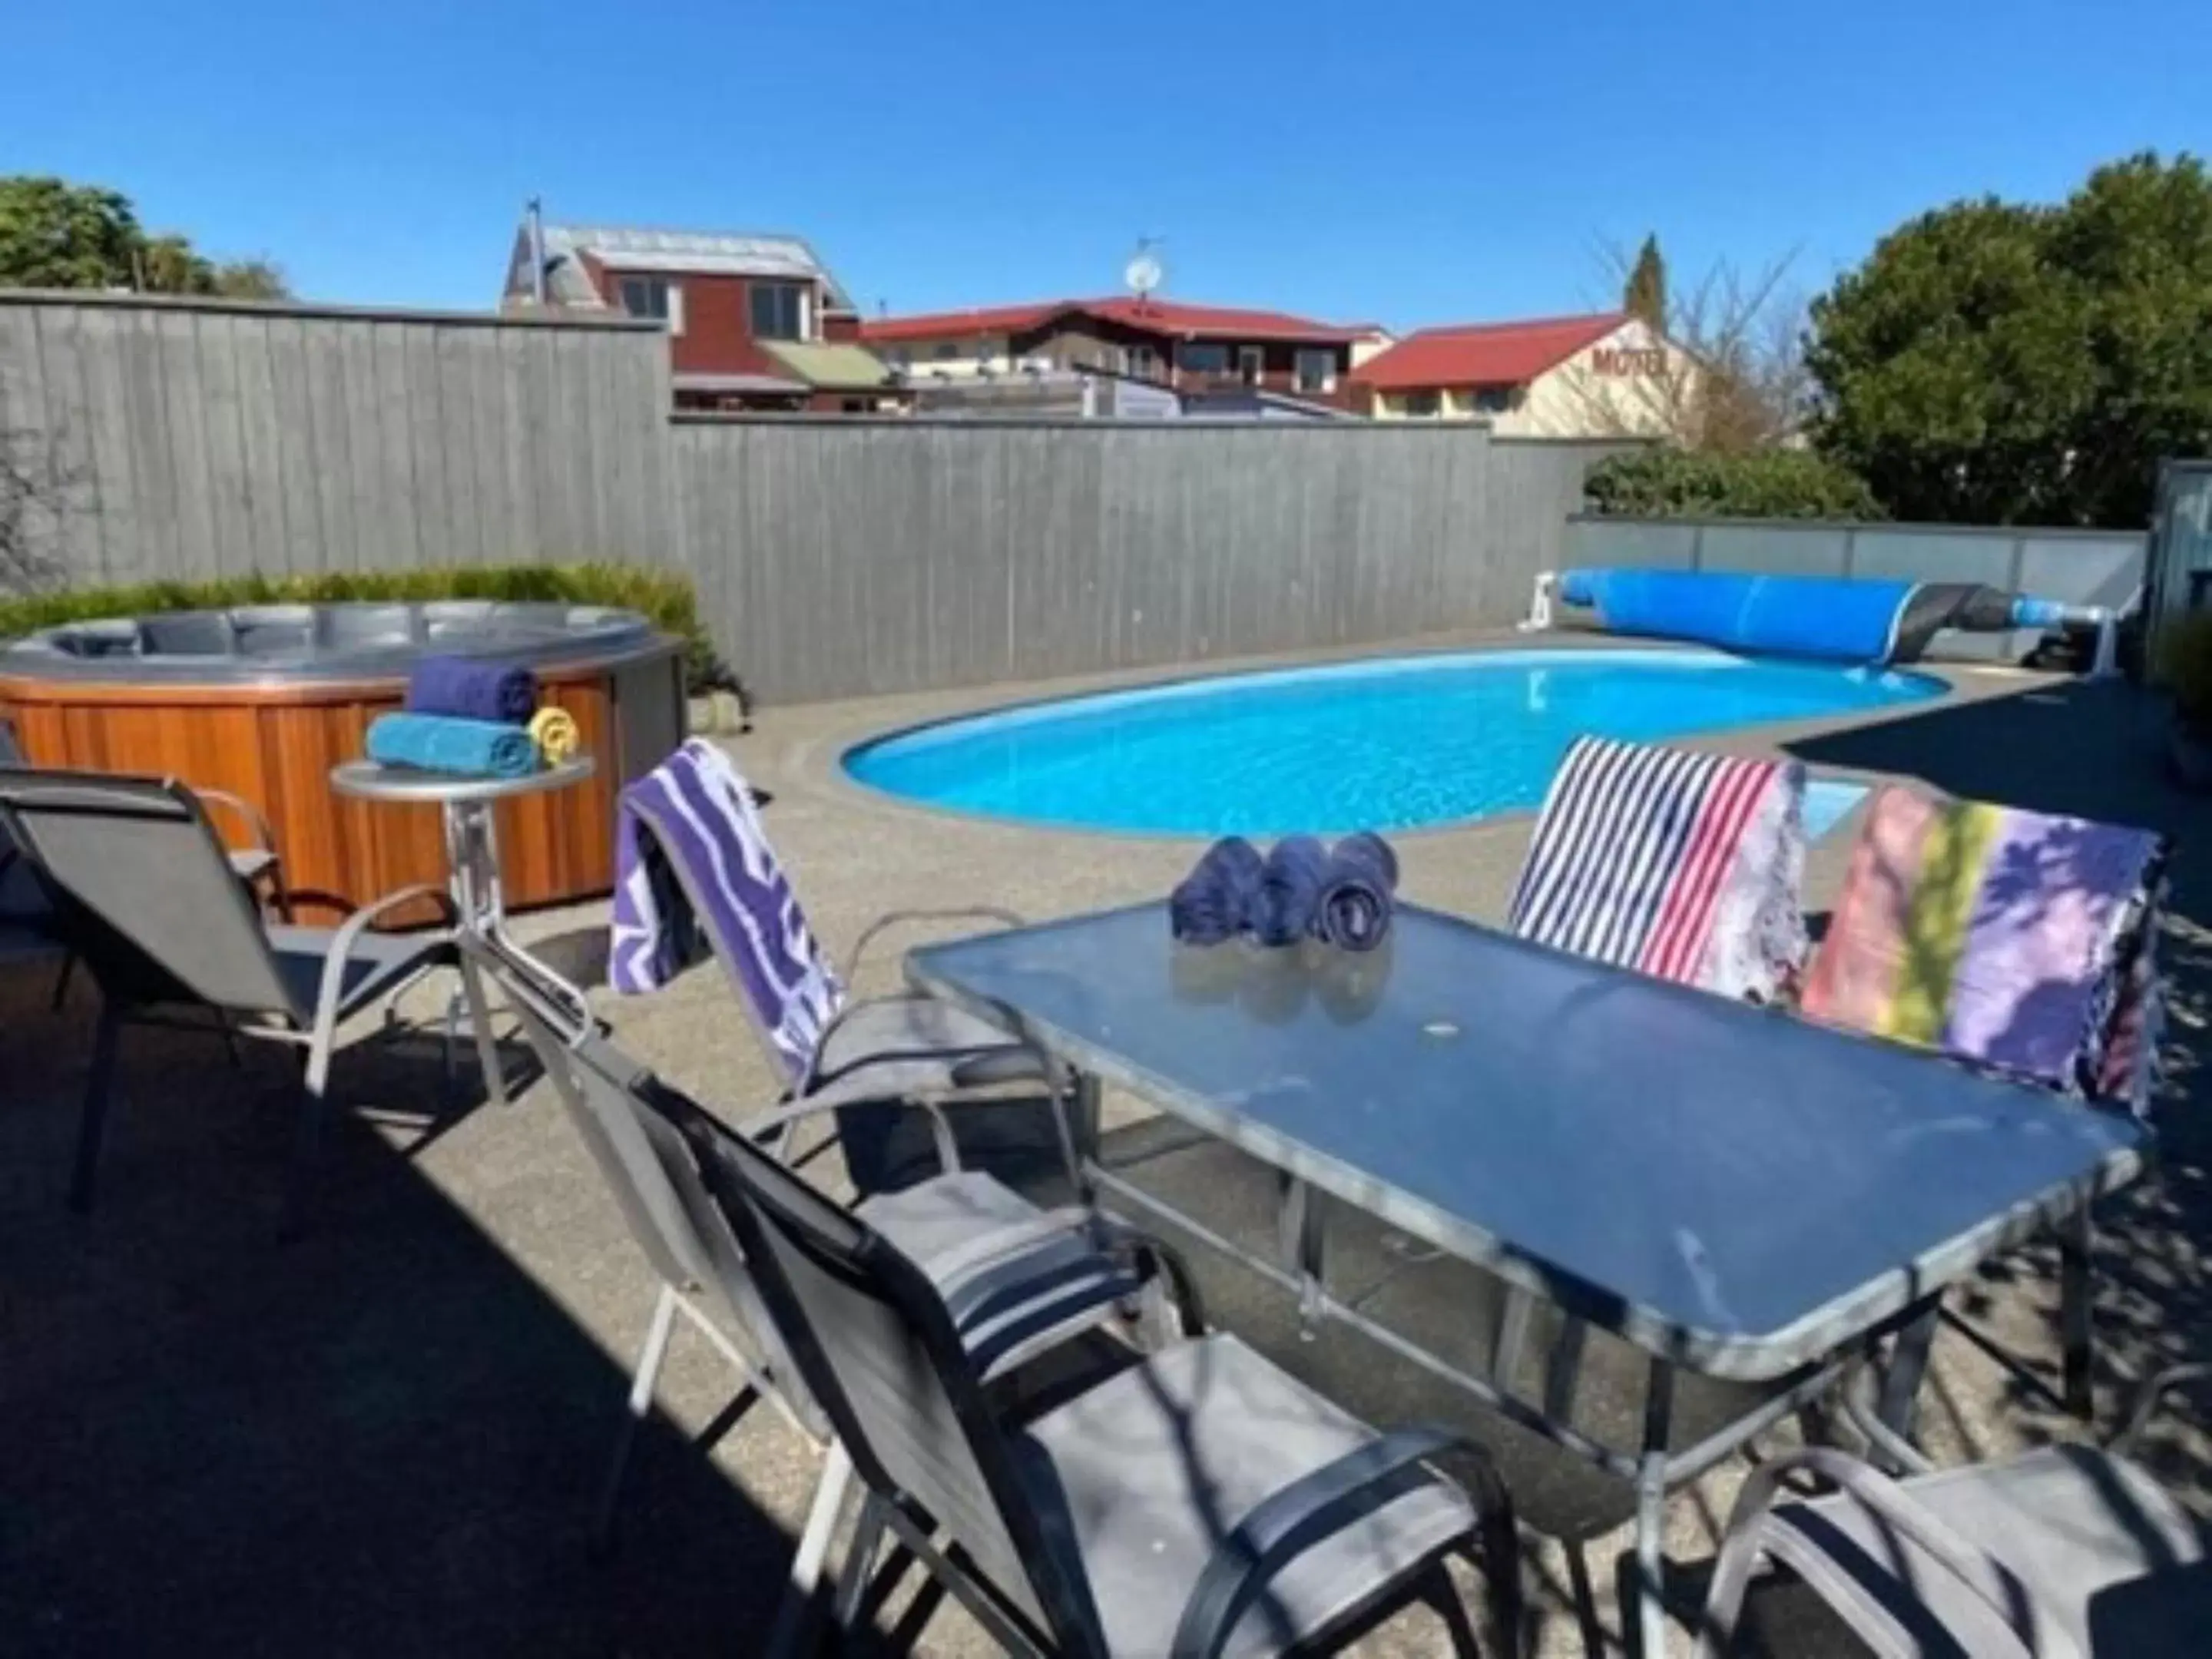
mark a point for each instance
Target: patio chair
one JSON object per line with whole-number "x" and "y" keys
{"x": 1689, "y": 867}
{"x": 27, "y": 919}
{"x": 695, "y": 873}
{"x": 1195, "y": 1502}
{"x": 2010, "y": 941}
{"x": 154, "y": 909}
{"x": 2065, "y": 1550}
{"x": 1027, "y": 1280}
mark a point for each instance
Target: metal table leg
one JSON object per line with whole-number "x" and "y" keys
{"x": 1651, "y": 1512}
{"x": 2076, "y": 1310}
{"x": 1908, "y": 1364}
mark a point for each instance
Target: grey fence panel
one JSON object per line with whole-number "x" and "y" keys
{"x": 1800, "y": 550}
{"x": 835, "y": 558}
{"x": 184, "y": 438}
{"x": 1632, "y": 544}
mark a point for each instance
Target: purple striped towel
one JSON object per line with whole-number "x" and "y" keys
{"x": 691, "y": 859}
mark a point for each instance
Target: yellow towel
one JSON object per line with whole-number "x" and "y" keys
{"x": 554, "y": 731}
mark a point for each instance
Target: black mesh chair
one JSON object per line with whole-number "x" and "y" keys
{"x": 145, "y": 895}
{"x": 1196, "y": 1502}
{"x": 1026, "y": 1280}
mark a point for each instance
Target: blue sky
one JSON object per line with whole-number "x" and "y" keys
{"x": 1409, "y": 164}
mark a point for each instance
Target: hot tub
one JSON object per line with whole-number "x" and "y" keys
{"x": 264, "y": 700}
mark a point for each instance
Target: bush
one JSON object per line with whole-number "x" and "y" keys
{"x": 1766, "y": 483}
{"x": 2184, "y": 668}
{"x": 666, "y": 600}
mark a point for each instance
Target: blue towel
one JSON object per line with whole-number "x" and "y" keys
{"x": 473, "y": 689}
{"x": 1220, "y": 898}
{"x": 439, "y": 743}
{"x": 1290, "y": 890}
{"x": 1353, "y": 910}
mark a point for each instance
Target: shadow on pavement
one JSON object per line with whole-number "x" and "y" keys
{"x": 385, "y": 1437}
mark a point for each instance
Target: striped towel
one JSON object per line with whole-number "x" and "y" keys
{"x": 691, "y": 859}
{"x": 1685, "y": 867}
{"x": 2012, "y": 939}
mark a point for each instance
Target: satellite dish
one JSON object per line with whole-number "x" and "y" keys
{"x": 1143, "y": 273}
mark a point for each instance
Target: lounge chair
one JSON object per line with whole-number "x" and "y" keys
{"x": 1689, "y": 867}
{"x": 1026, "y": 1281}
{"x": 2011, "y": 941}
{"x": 154, "y": 908}
{"x": 1196, "y": 1502}
{"x": 27, "y": 926}
{"x": 2063, "y": 1550}
{"x": 695, "y": 870}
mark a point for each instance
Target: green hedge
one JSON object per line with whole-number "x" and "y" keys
{"x": 1767, "y": 483}
{"x": 666, "y": 600}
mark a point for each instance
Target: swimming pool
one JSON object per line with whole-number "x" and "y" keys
{"x": 1387, "y": 745}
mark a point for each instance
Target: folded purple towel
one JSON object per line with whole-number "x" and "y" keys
{"x": 472, "y": 688}
{"x": 1220, "y": 898}
{"x": 1290, "y": 890}
{"x": 1352, "y": 911}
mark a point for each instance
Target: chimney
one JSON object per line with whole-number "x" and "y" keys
{"x": 535, "y": 219}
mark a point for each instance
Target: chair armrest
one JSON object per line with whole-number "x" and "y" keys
{"x": 263, "y": 837}
{"x": 1745, "y": 1540}
{"x": 1294, "y": 1518}
{"x": 891, "y": 919}
{"x": 330, "y": 992}
{"x": 782, "y": 1119}
{"x": 2149, "y": 1399}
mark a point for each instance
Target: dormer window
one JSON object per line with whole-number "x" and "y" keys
{"x": 655, "y": 297}
{"x": 779, "y": 311}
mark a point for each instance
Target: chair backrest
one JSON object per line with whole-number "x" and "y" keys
{"x": 1689, "y": 867}
{"x": 692, "y": 818}
{"x": 646, "y": 1163}
{"x": 146, "y": 895}
{"x": 880, "y": 1351}
{"x": 2017, "y": 940}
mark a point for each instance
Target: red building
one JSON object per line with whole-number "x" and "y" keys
{"x": 754, "y": 322}
{"x": 1188, "y": 348}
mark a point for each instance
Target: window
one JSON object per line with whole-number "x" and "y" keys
{"x": 1317, "y": 371}
{"x": 1423, "y": 405}
{"x": 1251, "y": 363}
{"x": 1203, "y": 359}
{"x": 1144, "y": 362}
{"x": 947, "y": 350}
{"x": 1492, "y": 399}
{"x": 779, "y": 311}
{"x": 655, "y": 297}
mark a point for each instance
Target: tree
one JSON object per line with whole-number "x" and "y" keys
{"x": 1999, "y": 362}
{"x": 1734, "y": 378}
{"x": 1644, "y": 294}
{"x": 56, "y": 234}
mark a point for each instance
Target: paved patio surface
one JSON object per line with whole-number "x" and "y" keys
{"x": 387, "y": 1436}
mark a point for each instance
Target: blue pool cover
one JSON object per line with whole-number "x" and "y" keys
{"x": 1838, "y": 618}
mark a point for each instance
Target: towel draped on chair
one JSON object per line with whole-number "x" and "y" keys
{"x": 1683, "y": 865}
{"x": 2006, "y": 937}
{"x": 692, "y": 811}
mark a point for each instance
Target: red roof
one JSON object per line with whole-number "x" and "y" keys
{"x": 1169, "y": 317}
{"x": 1484, "y": 354}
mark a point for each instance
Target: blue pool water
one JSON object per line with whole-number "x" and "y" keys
{"x": 1386, "y": 744}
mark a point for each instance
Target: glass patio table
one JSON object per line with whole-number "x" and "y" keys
{"x": 1729, "y": 1188}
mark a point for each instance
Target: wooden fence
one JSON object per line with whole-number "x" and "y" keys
{"x": 158, "y": 439}
{"x": 849, "y": 556}
{"x": 192, "y": 437}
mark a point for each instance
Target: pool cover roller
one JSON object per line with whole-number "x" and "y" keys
{"x": 1834, "y": 617}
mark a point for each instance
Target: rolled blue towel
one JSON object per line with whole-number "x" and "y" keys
{"x": 1353, "y": 910}
{"x": 441, "y": 743}
{"x": 473, "y": 689}
{"x": 1220, "y": 898}
{"x": 1289, "y": 888}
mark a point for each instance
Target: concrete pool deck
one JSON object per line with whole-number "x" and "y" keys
{"x": 388, "y": 1437}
